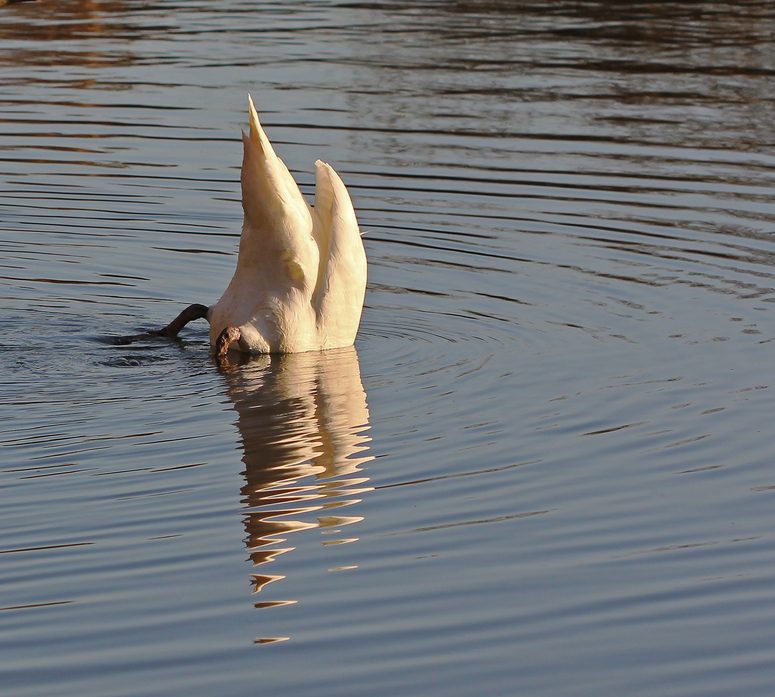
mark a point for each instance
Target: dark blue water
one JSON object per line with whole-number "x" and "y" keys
{"x": 545, "y": 468}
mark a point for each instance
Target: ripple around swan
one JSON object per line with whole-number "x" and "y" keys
{"x": 546, "y": 470}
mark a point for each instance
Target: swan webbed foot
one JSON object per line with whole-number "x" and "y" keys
{"x": 191, "y": 313}
{"x": 225, "y": 339}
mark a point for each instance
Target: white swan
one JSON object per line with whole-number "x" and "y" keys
{"x": 301, "y": 273}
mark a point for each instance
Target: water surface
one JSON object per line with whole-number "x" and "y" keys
{"x": 544, "y": 469}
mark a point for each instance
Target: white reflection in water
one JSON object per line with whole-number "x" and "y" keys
{"x": 302, "y": 420}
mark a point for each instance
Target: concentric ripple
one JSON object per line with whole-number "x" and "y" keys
{"x": 545, "y": 467}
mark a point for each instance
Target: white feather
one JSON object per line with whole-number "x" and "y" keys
{"x": 301, "y": 274}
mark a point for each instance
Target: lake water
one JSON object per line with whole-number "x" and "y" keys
{"x": 547, "y": 466}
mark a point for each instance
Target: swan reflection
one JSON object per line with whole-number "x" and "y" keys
{"x": 302, "y": 420}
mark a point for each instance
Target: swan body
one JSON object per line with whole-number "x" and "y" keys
{"x": 300, "y": 279}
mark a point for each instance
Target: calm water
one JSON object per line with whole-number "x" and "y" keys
{"x": 546, "y": 467}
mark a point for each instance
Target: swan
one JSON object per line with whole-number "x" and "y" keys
{"x": 300, "y": 279}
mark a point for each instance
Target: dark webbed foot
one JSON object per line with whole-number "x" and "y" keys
{"x": 191, "y": 313}
{"x": 225, "y": 339}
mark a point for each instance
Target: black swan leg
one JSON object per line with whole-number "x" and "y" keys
{"x": 191, "y": 313}
{"x": 225, "y": 339}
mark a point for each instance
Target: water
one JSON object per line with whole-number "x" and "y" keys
{"x": 544, "y": 469}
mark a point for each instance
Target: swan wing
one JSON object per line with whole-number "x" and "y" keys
{"x": 278, "y": 222}
{"x": 341, "y": 283}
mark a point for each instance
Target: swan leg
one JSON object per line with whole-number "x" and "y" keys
{"x": 191, "y": 313}
{"x": 225, "y": 339}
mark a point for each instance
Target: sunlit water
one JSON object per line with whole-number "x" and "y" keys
{"x": 545, "y": 469}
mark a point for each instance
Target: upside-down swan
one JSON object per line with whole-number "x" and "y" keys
{"x": 301, "y": 272}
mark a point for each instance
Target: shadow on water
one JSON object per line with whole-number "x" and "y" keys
{"x": 302, "y": 420}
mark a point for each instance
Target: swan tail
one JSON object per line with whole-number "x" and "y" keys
{"x": 341, "y": 284}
